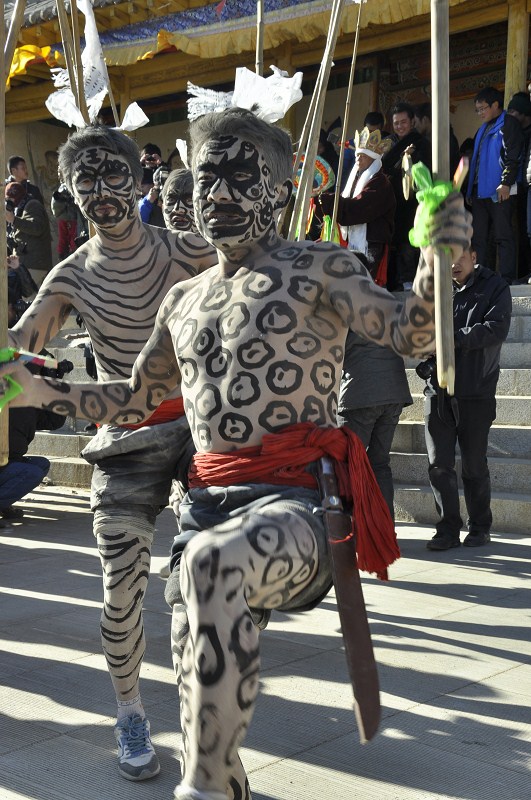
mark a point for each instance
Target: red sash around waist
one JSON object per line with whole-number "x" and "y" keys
{"x": 166, "y": 412}
{"x": 282, "y": 458}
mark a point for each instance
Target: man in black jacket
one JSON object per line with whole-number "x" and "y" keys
{"x": 405, "y": 257}
{"x": 482, "y": 317}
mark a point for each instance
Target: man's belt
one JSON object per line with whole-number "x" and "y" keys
{"x": 351, "y": 605}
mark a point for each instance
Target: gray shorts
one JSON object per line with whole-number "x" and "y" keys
{"x": 204, "y": 509}
{"x": 136, "y": 467}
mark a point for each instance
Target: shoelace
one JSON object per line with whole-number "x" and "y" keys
{"x": 134, "y": 735}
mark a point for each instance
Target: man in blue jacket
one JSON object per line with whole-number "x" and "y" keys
{"x": 482, "y": 317}
{"x": 494, "y": 170}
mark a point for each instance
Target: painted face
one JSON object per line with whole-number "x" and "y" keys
{"x": 178, "y": 210}
{"x": 103, "y": 187}
{"x": 234, "y": 196}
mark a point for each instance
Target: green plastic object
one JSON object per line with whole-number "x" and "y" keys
{"x": 13, "y": 388}
{"x": 429, "y": 195}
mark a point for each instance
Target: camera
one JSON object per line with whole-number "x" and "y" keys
{"x": 10, "y": 206}
{"x": 426, "y": 368}
{"x": 63, "y": 368}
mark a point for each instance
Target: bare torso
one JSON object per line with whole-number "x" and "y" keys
{"x": 117, "y": 290}
{"x": 263, "y": 347}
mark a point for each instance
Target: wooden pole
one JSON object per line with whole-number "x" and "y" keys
{"x": 4, "y": 418}
{"x": 68, "y": 46}
{"x": 440, "y": 95}
{"x": 345, "y": 122}
{"x": 78, "y": 64}
{"x": 517, "y": 47}
{"x": 302, "y": 201}
{"x": 17, "y": 18}
{"x": 259, "y": 37}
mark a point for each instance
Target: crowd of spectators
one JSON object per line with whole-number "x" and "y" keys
{"x": 496, "y": 189}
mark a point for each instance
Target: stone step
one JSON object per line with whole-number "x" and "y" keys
{"x": 62, "y": 449}
{"x": 520, "y": 330}
{"x": 511, "y": 382}
{"x": 68, "y": 471}
{"x": 514, "y": 355}
{"x": 511, "y": 512}
{"x": 509, "y": 410}
{"x": 59, "y": 444}
{"x": 504, "y": 440}
{"x": 506, "y": 474}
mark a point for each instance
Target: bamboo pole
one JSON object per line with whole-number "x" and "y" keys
{"x": 4, "y": 418}
{"x": 17, "y": 18}
{"x": 68, "y": 46}
{"x": 345, "y": 121}
{"x": 440, "y": 93}
{"x": 259, "y": 37}
{"x": 302, "y": 201}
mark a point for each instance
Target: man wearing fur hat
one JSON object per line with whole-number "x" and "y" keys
{"x": 367, "y": 206}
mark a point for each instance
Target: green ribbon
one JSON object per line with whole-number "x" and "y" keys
{"x": 429, "y": 195}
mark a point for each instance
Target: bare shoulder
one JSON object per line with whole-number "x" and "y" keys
{"x": 190, "y": 244}
{"x": 65, "y": 275}
{"x": 320, "y": 257}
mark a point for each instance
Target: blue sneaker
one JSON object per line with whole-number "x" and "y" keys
{"x": 137, "y": 760}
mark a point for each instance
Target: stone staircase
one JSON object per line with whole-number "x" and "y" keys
{"x": 509, "y": 444}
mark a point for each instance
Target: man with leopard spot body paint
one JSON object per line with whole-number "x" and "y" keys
{"x": 117, "y": 281}
{"x": 256, "y": 344}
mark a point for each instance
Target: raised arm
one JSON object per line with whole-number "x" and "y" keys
{"x": 408, "y": 327}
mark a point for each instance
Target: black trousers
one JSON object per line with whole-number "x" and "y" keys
{"x": 486, "y": 214}
{"x": 472, "y": 434}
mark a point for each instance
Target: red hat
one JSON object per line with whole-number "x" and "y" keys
{"x": 15, "y": 191}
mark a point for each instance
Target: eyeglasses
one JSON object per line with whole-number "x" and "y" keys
{"x": 481, "y": 109}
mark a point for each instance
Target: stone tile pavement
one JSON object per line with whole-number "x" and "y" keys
{"x": 452, "y": 633}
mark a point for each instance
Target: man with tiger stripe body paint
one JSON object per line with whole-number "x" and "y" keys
{"x": 117, "y": 281}
{"x": 256, "y": 344}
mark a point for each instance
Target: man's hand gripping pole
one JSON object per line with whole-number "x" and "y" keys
{"x": 430, "y": 195}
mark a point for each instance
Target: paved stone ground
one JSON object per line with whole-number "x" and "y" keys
{"x": 452, "y": 634}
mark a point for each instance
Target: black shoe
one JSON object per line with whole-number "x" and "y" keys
{"x": 443, "y": 541}
{"x": 12, "y": 512}
{"x": 476, "y": 539}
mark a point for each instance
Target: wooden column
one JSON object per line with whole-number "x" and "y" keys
{"x": 283, "y": 61}
{"x": 517, "y": 48}
{"x": 4, "y": 417}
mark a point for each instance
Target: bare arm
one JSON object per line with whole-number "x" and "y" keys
{"x": 408, "y": 328}
{"x": 43, "y": 319}
{"x": 155, "y": 373}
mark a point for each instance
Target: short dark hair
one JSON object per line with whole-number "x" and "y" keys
{"x": 401, "y": 107}
{"x": 151, "y": 149}
{"x": 98, "y": 136}
{"x": 423, "y": 110}
{"x": 13, "y": 162}
{"x": 489, "y": 95}
{"x": 273, "y": 140}
{"x": 180, "y": 181}
{"x": 374, "y": 118}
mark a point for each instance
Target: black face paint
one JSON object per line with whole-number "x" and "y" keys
{"x": 234, "y": 196}
{"x": 103, "y": 187}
